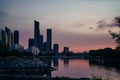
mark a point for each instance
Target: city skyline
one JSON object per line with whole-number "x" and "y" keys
{"x": 81, "y": 25}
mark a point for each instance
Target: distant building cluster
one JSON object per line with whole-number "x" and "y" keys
{"x": 38, "y": 42}
{"x": 10, "y": 40}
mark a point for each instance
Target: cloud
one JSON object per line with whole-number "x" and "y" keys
{"x": 3, "y": 17}
{"x": 91, "y": 28}
{"x": 81, "y": 40}
{"x": 77, "y": 25}
{"x": 4, "y": 14}
{"x": 107, "y": 23}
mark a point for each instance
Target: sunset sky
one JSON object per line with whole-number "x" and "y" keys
{"x": 80, "y": 24}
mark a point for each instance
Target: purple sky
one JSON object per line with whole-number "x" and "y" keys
{"x": 80, "y": 24}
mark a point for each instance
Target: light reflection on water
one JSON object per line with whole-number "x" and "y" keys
{"x": 76, "y": 68}
{"x": 72, "y": 68}
{"x": 84, "y": 68}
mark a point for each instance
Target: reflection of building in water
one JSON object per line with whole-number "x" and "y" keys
{"x": 66, "y": 62}
{"x": 47, "y": 61}
{"x": 105, "y": 63}
{"x": 55, "y": 62}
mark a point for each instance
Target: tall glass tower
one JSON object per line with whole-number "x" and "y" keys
{"x": 9, "y": 37}
{"x": 49, "y": 39}
{"x": 16, "y": 37}
{"x": 36, "y": 34}
{"x": 56, "y": 48}
{"x": 30, "y": 42}
{"x": 41, "y": 42}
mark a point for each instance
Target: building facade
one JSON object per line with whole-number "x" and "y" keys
{"x": 41, "y": 42}
{"x": 49, "y": 39}
{"x": 56, "y": 48}
{"x": 66, "y": 50}
{"x": 8, "y": 37}
{"x": 16, "y": 37}
{"x": 36, "y": 34}
{"x": 31, "y": 43}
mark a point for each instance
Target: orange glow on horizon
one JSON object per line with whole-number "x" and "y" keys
{"x": 82, "y": 48}
{"x": 92, "y": 47}
{"x": 87, "y": 48}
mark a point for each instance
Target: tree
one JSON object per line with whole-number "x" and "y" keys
{"x": 116, "y": 35}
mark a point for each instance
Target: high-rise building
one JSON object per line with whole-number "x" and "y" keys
{"x": 49, "y": 39}
{"x": 31, "y": 43}
{"x": 16, "y": 37}
{"x": 56, "y": 48}
{"x": 3, "y": 35}
{"x": 45, "y": 46}
{"x": 9, "y": 37}
{"x": 36, "y": 34}
{"x": 41, "y": 42}
{"x": 66, "y": 50}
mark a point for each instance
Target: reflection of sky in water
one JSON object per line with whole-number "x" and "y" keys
{"x": 77, "y": 68}
{"x": 81, "y": 68}
{"x": 73, "y": 69}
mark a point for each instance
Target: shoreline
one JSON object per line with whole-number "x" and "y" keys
{"x": 42, "y": 78}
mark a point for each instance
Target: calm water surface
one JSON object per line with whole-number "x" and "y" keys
{"x": 75, "y": 68}
{"x": 83, "y": 68}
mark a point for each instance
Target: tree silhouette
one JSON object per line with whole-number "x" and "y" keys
{"x": 116, "y": 35}
{"x": 118, "y": 21}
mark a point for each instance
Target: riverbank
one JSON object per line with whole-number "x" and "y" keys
{"x": 49, "y": 78}
{"x": 43, "y": 78}
{"x": 33, "y": 73}
{"x": 14, "y": 63}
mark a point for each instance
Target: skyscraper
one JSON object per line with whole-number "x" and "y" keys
{"x": 49, "y": 39}
{"x": 41, "y": 42}
{"x": 31, "y": 43}
{"x": 36, "y": 34}
{"x": 66, "y": 50}
{"x": 16, "y": 37}
{"x": 45, "y": 46}
{"x": 9, "y": 37}
{"x": 3, "y": 35}
{"x": 56, "y": 48}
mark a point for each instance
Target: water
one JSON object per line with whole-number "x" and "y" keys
{"x": 74, "y": 68}
{"x": 84, "y": 68}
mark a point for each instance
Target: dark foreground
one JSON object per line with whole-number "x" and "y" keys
{"x": 45, "y": 78}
